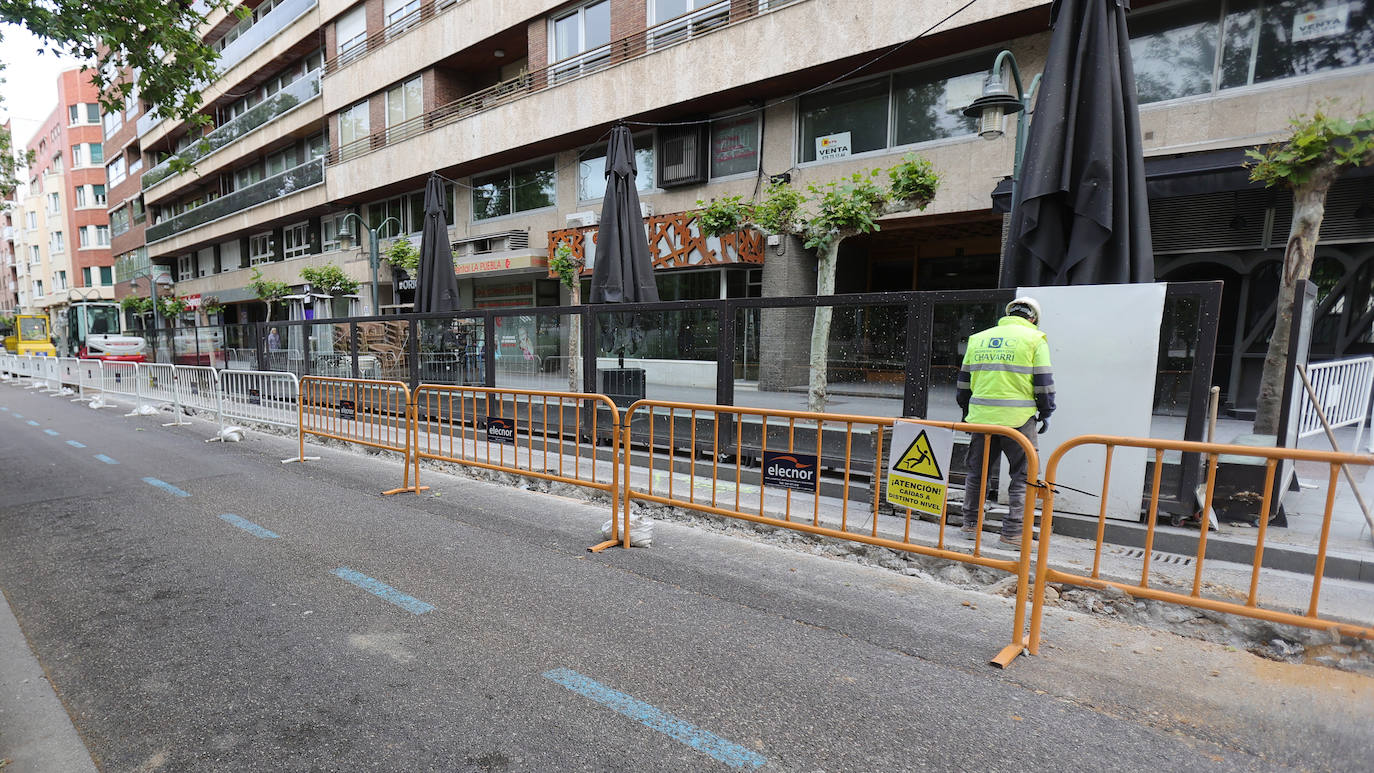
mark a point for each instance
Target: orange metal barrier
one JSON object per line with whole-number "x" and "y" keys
{"x": 547, "y": 435}
{"x": 1044, "y": 574}
{"x": 378, "y": 414}
{"x": 730, "y": 491}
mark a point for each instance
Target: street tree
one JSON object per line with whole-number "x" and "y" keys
{"x": 831, "y": 213}
{"x": 569, "y": 267}
{"x": 269, "y": 291}
{"x": 1320, "y": 147}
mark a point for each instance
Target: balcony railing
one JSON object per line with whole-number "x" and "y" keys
{"x": 296, "y": 94}
{"x": 702, "y": 21}
{"x": 389, "y": 32}
{"x": 293, "y": 180}
{"x": 276, "y": 20}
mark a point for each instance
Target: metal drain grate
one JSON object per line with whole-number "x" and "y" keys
{"x": 1163, "y": 558}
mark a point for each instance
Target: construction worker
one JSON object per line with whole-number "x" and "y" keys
{"x": 1005, "y": 380}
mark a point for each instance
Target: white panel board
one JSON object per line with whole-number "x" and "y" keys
{"x": 1104, "y": 344}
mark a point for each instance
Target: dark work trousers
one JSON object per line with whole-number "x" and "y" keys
{"x": 1016, "y": 491}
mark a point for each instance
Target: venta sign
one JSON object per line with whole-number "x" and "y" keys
{"x": 790, "y": 470}
{"x": 501, "y": 430}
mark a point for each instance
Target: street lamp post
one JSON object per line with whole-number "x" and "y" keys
{"x": 992, "y": 109}
{"x": 346, "y": 241}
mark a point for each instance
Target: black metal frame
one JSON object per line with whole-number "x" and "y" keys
{"x": 920, "y": 316}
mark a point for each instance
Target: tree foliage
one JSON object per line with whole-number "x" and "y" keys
{"x": 1319, "y": 148}
{"x": 171, "y": 306}
{"x": 159, "y": 42}
{"x": 567, "y": 267}
{"x": 330, "y": 279}
{"x": 136, "y": 303}
{"x": 269, "y": 291}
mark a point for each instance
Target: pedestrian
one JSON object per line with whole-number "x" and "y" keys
{"x": 1005, "y": 380}
{"x": 273, "y": 340}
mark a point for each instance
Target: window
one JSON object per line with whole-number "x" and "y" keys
{"x": 677, "y": 20}
{"x": 96, "y": 153}
{"x": 591, "y": 168}
{"x": 119, "y": 220}
{"x": 735, "y": 145}
{"x": 78, "y": 158}
{"x": 350, "y": 31}
{"x": 34, "y": 258}
{"x": 401, "y": 15}
{"x": 259, "y": 248}
{"x": 1198, "y": 49}
{"x": 54, "y": 203}
{"x": 403, "y": 103}
{"x": 86, "y": 276}
{"x": 112, "y": 122}
{"x": 59, "y": 280}
{"x": 330, "y": 225}
{"x": 114, "y": 172}
{"x": 102, "y": 235}
{"x": 582, "y": 31}
{"x": 901, "y": 109}
{"x": 73, "y": 114}
{"x": 296, "y": 240}
{"x": 38, "y": 288}
{"x": 139, "y": 215}
{"x": 280, "y": 162}
{"x": 98, "y": 194}
{"x": 33, "y": 220}
{"x": 247, "y": 176}
{"x": 92, "y": 112}
{"x": 353, "y": 128}
{"x": 316, "y": 146}
{"x": 106, "y": 275}
{"x": 184, "y": 268}
{"x": 85, "y": 237}
{"x": 80, "y": 195}
{"x": 56, "y": 243}
{"x": 56, "y": 163}
{"x": 518, "y": 189}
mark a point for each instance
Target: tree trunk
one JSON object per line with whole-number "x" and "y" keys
{"x": 575, "y": 340}
{"x": 1309, "y": 207}
{"x": 820, "y": 327}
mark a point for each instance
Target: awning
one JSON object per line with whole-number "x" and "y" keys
{"x": 1213, "y": 171}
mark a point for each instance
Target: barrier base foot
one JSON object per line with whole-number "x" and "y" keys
{"x": 177, "y": 424}
{"x": 1007, "y": 655}
{"x": 610, "y": 543}
{"x": 301, "y": 459}
{"x": 403, "y": 489}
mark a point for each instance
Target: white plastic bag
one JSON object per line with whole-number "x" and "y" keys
{"x": 641, "y": 531}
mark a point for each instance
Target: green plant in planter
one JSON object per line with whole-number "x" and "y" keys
{"x": 724, "y": 215}
{"x": 330, "y": 279}
{"x": 211, "y": 306}
{"x": 403, "y": 255}
{"x": 135, "y": 303}
{"x": 171, "y": 306}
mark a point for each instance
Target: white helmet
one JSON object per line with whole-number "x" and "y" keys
{"x": 1025, "y": 305}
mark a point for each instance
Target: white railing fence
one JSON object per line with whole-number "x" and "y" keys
{"x": 1343, "y": 388}
{"x": 262, "y": 396}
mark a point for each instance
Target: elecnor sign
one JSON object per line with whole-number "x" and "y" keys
{"x": 501, "y": 430}
{"x": 790, "y": 470}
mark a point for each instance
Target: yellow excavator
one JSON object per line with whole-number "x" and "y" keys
{"x": 30, "y": 336}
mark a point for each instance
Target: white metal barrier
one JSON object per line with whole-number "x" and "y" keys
{"x": 91, "y": 381}
{"x": 69, "y": 375}
{"x": 1344, "y": 388}
{"x": 197, "y": 388}
{"x": 157, "y": 383}
{"x": 48, "y": 378}
{"x": 266, "y": 397}
{"x": 120, "y": 379}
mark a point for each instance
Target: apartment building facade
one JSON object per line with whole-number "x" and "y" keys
{"x": 64, "y": 227}
{"x": 331, "y": 108}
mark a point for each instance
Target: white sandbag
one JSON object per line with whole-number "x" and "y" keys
{"x": 641, "y": 531}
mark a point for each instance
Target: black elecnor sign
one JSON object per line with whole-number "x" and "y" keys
{"x": 501, "y": 430}
{"x": 346, "y": 409}
{"x": 790, "y": 470}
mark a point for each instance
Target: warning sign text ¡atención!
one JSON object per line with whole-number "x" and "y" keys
{"x": 916, "y": 475}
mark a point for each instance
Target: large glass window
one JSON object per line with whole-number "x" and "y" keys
{"x": 518, "y": 189}
{"x": 404, "y": 102}
{"x": 735, "y": 145}
{"x": 591, "y": 168}
{"x": 350, "y": 31}
{"x": 582, "y": 30}
{"x": 928, "y": 104}
{"x": 855, "y": 116}
{"x": 353, "y": 126}
{"x": 296, "y": 240}
{"x": 1190, "y": 49}
{"x": 114, "y": 172}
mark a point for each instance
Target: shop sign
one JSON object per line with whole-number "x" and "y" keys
{"x": 833, "y": 146}
{"x": 789, "y": 470}
{"x": 1321, "y": 23}
{"x": 192, "y": 301}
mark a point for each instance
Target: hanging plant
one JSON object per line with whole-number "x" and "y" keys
{"x": 403, "y": 255}
{"x": 330, "y": 280}
{"x": 210, "y": 305}
{"x": 172, "y": 306}
{"x": 136, "y": 303}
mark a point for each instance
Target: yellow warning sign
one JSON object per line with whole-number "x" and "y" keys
{"x": 919, "y": 459}
{"x": 916, "y": 476}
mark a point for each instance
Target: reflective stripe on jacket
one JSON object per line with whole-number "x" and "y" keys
{"x": 1006, "y": 377}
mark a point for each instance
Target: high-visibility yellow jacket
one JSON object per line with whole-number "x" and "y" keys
{"x": 1006, "y": 377}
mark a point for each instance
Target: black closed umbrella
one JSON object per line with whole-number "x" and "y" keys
{"x": 1081, "y": 214}
{"x": 436, "y": 287}
{"x": 623, "y": 271}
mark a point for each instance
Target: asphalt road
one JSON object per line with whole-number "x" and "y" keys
{"x": 321, "y": 626}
